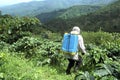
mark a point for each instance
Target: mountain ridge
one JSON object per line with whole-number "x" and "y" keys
{"x": 106, "y": 19}
{"x": 37, "y": 7}
{"x": 70, "y": 12}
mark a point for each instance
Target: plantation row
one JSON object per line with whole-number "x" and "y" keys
{"x": 29, "y": 52}
{"x": 102, "y": 63}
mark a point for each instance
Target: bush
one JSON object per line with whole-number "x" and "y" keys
{"x": 42, "y": 51}
{"x": 27, "y": 45}
{"x": 4, "y": 46}
{"x": 12, "y": 28}
{"x": 97, "y": 37}
{"x": 98, "y": 65}
{"x": 49, "y": 52}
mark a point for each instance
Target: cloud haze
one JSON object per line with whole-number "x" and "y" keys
{"x": 10, "y": 2}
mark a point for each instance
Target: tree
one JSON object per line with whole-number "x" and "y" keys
{"x": 0, "y": 13}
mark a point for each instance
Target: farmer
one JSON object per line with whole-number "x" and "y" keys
{"x": 76, "y": 59}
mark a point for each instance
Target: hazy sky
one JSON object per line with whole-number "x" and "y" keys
{"x": 10, "y": 2}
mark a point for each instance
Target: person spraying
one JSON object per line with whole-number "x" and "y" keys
{"x": 72, "y": 42}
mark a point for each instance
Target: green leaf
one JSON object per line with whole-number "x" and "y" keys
{"x": 108, "y": 68}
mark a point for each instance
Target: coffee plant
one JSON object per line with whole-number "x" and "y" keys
{"x": 12, "y": 28}
{"x": 27, "y": 45}
{"x": 99, "y": 64}
{"x": 49, "y": 52}
{"x": 29, "y": 52}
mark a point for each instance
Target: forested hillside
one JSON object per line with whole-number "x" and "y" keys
{"x": 106, "y": 19}
{"x": 36, "y": 7}
{"x": 69, "y": 13}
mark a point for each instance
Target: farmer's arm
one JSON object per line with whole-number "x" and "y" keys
{"x": 81, "y": 44}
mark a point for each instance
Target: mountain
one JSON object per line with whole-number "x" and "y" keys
{"x": 22, "y": 8}
{"x": 37, "y": 7}
{"x": 68, "y": 13}
{"x": 106, "y": 19}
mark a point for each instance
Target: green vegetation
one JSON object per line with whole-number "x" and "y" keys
{"x": 16, "y": 68}
{"x": 106, "y": 19}
{"x": 28, "y": 51}
{"x": 37, "y": 7}
{"x": 68, "y": 13}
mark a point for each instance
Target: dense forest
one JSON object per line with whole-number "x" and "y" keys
{"x": 31, "y": 50}
{"x": 68, "y": 13}
{"x": 106, "y": 19}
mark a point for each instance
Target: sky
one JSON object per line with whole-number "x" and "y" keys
{"x": 10, "y": 2}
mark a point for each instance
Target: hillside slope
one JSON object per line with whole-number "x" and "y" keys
{"x": 37, "y": 7}
{"x": 68, "y": 13}
{"x": 107, "y": 19}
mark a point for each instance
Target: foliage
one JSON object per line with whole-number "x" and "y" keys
{"x": 0, "y": 13}
{"x": 37, "y": 53}
{"x": 27, "y": 45}
{"x": 16, "y": 68}
{"x": 44, "y": 57}
{"x": 13, "y": 28}
{"x": 68, "y": 13}
{"x": 43, "y": 51}
{"x": 113, "y": 48}
{"x": 50, "y": 51}
{"x": 97, "y": 38}
{"x": 106, "y": 19}
{"x": 4, "y": 46}
{"x": 99, "y": 65}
